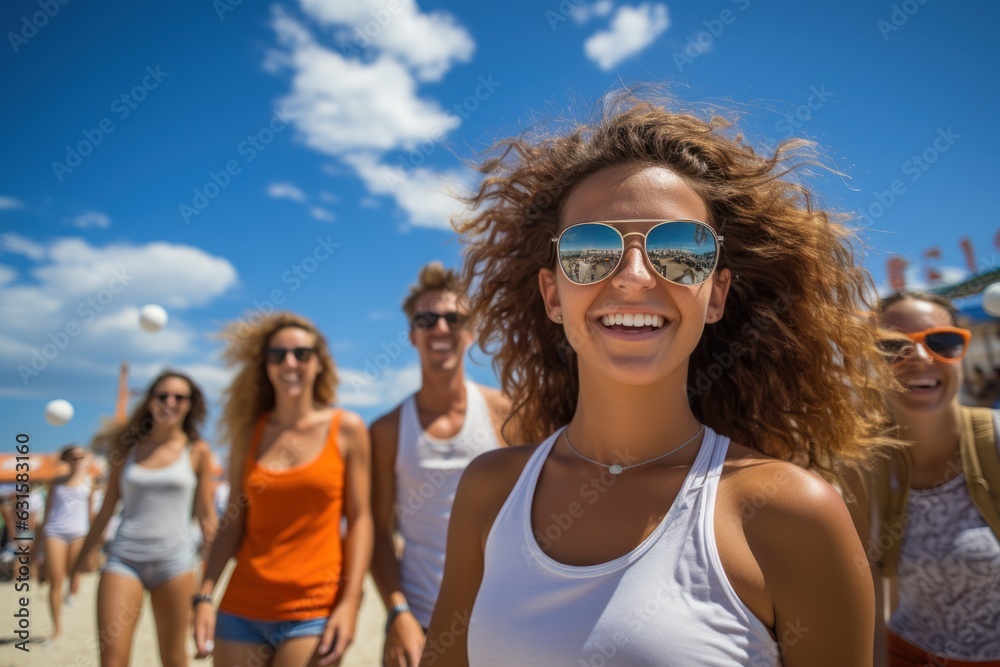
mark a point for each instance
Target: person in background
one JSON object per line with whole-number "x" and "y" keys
{"x": 67, "y": 520}
{"x": 930, "y": 514}
{"x": 298, "y": 467}
{"x": 420, "y": 449}
{"x": 160, "y": 469}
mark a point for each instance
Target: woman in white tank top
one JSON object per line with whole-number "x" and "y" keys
{"x": 67, "y": 519}
{"x": 639, "y": 534}
{"x": 161, "y": 470}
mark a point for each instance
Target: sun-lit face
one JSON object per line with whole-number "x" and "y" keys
{"x": 633, "y": 355}
{"x": 929, "y": 385}
{"x": 170, "y": 401}
{"x": 292, "y": 376}
{"x": 442, "y": 346}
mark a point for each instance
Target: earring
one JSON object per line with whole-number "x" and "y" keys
{"x": 558, "y": 318}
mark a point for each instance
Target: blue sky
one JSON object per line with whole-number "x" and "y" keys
{"x": 216, "y": 157}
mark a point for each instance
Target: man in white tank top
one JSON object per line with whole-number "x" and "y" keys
{"x": 420, "y": 449}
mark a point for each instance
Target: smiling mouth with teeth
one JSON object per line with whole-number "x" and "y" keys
{"x": 924, "y": 383}
{"x": 442, "y": 346}
{"x": 633, "y": 321}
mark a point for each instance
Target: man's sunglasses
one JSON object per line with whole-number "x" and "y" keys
{"x": 428, "y": 319}
{"x": 683, "y": 252}
{"x": 277, "y": 355}
{"x": 945, "y": 344}
{"x": 163, "y": 396}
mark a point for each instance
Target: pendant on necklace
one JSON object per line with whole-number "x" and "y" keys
{"x": 615, "y": 469}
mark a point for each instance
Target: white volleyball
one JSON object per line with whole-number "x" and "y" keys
{"x": 991, "y": 299}
{"x": 152, "y": 317}
{"x": 58, "y": 412}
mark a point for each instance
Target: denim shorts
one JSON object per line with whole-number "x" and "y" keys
{"x": 232, "y": 628}
{"x": 152, "y": 574}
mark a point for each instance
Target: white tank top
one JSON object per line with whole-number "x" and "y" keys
{"x": 70, "y": 511}
{"x": 156, "y": 510}
{"x": 666, "y": 603}
{"x": 427, "y": 474}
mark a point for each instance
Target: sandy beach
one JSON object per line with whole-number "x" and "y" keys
{"x": 78, "y": 645}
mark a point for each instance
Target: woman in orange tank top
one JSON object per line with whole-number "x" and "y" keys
{"x": 297, "y": 467}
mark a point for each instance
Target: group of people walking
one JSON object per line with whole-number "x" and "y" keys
{"x": 696, "y": 469}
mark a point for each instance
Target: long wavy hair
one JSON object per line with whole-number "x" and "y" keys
{"x": 791, "y": 370}
{"x": 250, "y": 394}
{"x": 118, "y": 439}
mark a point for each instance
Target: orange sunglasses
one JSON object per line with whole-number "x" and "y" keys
{"x": 945, "y": 344}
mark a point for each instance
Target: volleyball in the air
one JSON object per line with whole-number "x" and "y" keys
{"x": 991, "y": 299}
{"x": 152, "y": 317}
{"x": 58, "y": 412}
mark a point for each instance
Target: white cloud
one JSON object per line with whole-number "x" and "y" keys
{"x": 342, "y": 105}
{"x": 285, "y": 191}
{"x": 75, "y": 314}
{"x": 7, "y": 203}
{"x": 632, "y": 30}
{"x": 22, "y": 246}
{"x": 92, "y": 220}
{"x": 427, "y": 43}
{"x": 165, "y": 273}
{"x": 362, "y": 102}
{"x": 7, "y": 275}
{"x": 583, "y": 13}
{"x": 359, "y": 389}
{"x": 321, "y": 214}
{"x": 427, "y": 197}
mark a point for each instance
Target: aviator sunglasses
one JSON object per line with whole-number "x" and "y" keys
{"x": 945, "y": 344}
{"x": 683, "y": 252}
{"x": 428, "y": 319}
{"x": 277, "y": 355}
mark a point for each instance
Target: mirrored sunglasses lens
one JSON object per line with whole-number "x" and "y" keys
{"x": 682, "y": 252}
{"x": 946, "y": 344}
{"x": 589, "y": 252}
{"x": 303, "y": 353}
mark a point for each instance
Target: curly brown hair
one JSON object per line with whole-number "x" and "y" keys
{"x": 791, "y": 370}
{"x": 118, "y": 439}
{"x": 250, "y": 394}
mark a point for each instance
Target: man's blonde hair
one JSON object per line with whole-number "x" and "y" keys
{"x": 434, "y": 277}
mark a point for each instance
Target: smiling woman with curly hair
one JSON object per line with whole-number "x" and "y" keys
{"x": 298, "y": 467}
{"x": 687, "y": 334}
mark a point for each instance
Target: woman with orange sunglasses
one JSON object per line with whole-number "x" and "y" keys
{"x": 939, "y": 554}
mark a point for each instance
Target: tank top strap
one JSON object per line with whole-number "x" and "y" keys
{"x": 331, "y": 438}
{"x": 258, "y": 432}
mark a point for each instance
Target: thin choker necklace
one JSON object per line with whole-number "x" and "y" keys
{"x": 616, "y": 469}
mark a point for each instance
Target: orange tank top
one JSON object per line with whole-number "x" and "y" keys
{"x": 290, "y": 560}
